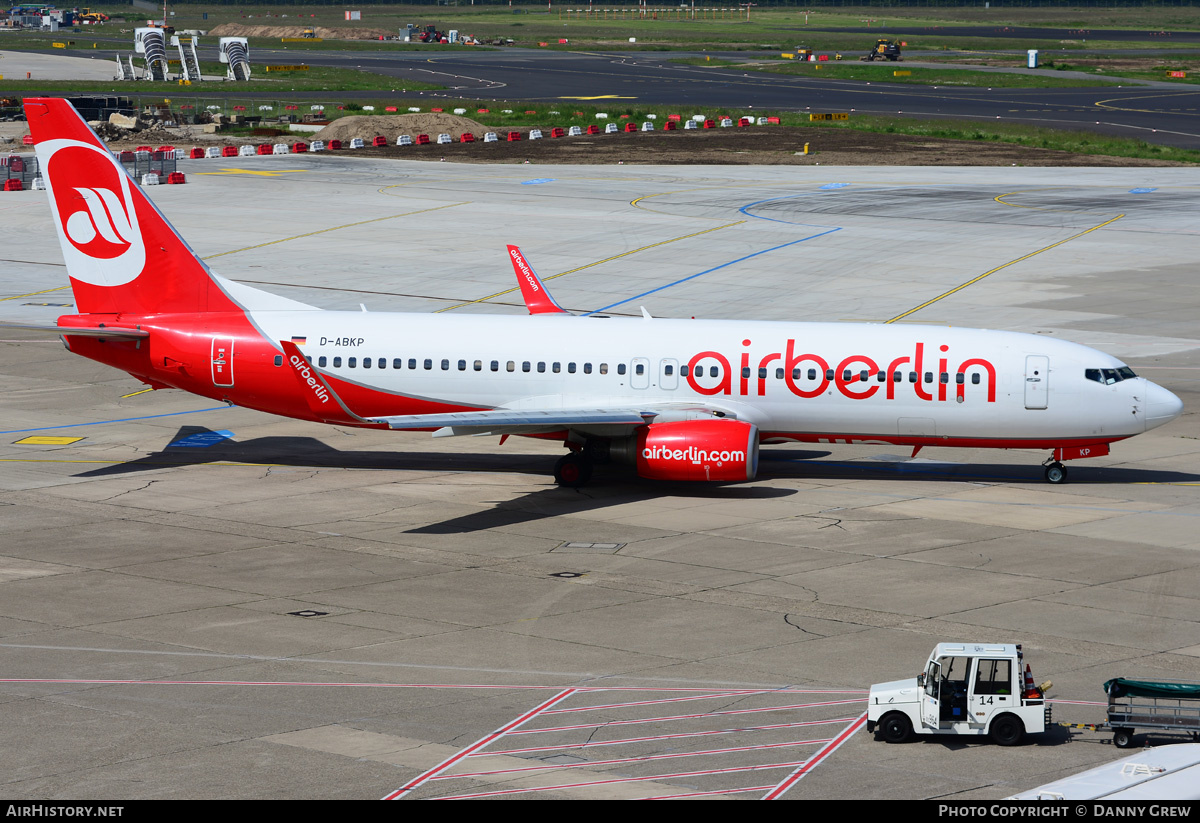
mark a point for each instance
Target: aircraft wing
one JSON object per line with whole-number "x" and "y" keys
{"x": 515, "y": 421}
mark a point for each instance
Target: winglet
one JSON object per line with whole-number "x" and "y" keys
{"x": 537, "y": 299}
{"x": 322, "y": 401}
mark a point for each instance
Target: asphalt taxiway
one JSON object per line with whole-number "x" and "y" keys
{"x": 202, "y": 601}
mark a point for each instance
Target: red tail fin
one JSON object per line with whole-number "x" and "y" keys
{"x": 121, "y": 253}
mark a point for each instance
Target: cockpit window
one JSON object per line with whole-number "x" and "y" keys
{"x": 1109, "y": 376}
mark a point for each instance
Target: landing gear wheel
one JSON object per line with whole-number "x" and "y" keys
{"x": 896, "y": 728}
{"x": 572, "y": 470}
{"x": 1056, "y": 473}
{"x": 1123, "y": 738}
{"x": 1007, "y": 730}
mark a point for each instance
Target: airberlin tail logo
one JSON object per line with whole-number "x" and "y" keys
{"x": 94, "y": 205}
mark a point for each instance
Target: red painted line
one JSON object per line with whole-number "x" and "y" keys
{"x": 658, "y": 737}
{"x": 657, "y": 702}
{"x": 645, "y": 759}
{"x": 688, "y": 716}
{"x": 832, "y": 746}
{"x": 478, "y": 744}
{"x": 708, "y": 794}
{"x": 623, "y": 780}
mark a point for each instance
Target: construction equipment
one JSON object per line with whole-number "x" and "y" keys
{"x": 308, "y": 34}
{"x": 974, "y": 689}
{"x": 86, "y": 15}
{"x": 884, "y": 50}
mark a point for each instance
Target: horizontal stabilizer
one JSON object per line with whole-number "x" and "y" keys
{"x": 97, "y": 331}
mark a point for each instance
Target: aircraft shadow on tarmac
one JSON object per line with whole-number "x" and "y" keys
{"x": 309, "y": 452}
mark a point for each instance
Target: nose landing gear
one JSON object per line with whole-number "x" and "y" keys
{"x": 1055, "y": 472}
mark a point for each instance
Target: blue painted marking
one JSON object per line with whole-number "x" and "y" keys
{"x": 834, "y": 186}
{"x": 122, "y": 420}
{"x": 202, "y": 440}
{"x": 1141, "y": 191}
{"x": 537, "y": 181}
{"x": 710, "y": 271}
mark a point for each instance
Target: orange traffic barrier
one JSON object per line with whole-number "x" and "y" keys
{"x": 422, "y": 139}
{"x": 176, "y": 177}
{"x": 631, "y": 127}
{"x": 774, "y": 121}
{"x": 229, "y": 151}
{"x": 513, "y": 137}
{"x": 593, "y": 129}
{"x": 710, "y": 124}
{"x": 265, "y": 148}
{"x": 557, "y": 131}
{"x": 299, "y": 148}
{"x": 334, "y": 145}
{"x": 196, "y": 153}
{"x": 467, "y": 137}
{"x": 670, "y": 126}
{"x": 13, "y": 185}
{"x": 379, "y": 140}
{"x": 390, "y": 108}
{"x": 674, "y": 117}
{"x": 744, "y": 121}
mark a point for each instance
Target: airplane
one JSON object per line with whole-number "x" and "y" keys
{"x": 678, "y": 399}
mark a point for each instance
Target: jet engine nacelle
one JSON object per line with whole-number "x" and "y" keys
{"x": 713, "y": 449}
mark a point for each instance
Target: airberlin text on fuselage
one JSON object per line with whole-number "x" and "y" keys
{"x": 302, "y": 368}
{"x": 846, "y": 375}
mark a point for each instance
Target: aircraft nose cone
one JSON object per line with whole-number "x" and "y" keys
{"x": 1161, "y": 405}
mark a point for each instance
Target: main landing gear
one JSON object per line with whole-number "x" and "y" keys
{"x": 1054, "y": 472}
{"x": 573, "y": 470}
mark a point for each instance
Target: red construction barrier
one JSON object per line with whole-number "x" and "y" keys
{"x": 422, "y": 139}
{"x": 439, "y": 110}
{"x": 379, "y": 140}
{"x": 333, "y": 145}
{"x": 481, "y": 111}
{"x": 196, "y": 153}
{"x": 143, "y": 148}
{"x": 165, "y": 148}
{"x": 229, "y": 151}
{"x": 774, "y": 121}
{"x": 531, "y": 112}
{"x": 513, "y": 137}
{"x": 710, "y": 124}
{"x": 126, "y": 157}
{"x": 391, "y": 108}
{"x": 744, "y": 121}
{"x": 674, "y": 117}
{"x": 623, "y": 117}
{"x": 631, "y": 127}
{"x": 467, "y": 137}
{"x": 264, "y": 148}
{"x": 13, "y": 185}
{"x": 299, "y": 148}
{"x": 593, "y": 129}
{"x": 557, "y": 131}
{"x": 27, "y": 140}
{"x": 176, "y": 177}
{"x": 670, "y": 126}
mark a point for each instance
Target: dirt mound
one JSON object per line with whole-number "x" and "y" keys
{"x": 348, "y": 33}
{"x": 392, "y": 126}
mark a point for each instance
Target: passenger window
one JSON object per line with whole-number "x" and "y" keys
{"x": 495, "y": 365}
{"x": 462, "y": 365}
{"x": 762, "y": 373}
{"x": 428, "y": 364}
{"x": 745, "y": 372}
{"x": 350, "y": 363}
{"x": 668, "y": 369}
{"x": 829, "y": 374}
{"x": 570, "y": 368}
{"x": 898, "y": 377}
{"x": 321, "y": 361}
{"x": 478, "y": 365}
{"x": 713, "y": 371}
{"x": 881, "y": 377}
{"x": 621, "y": 369}
{"x": 699, "y": 371}
{"x": 640, "y": 368}
{"x": 309, "y": 359}
{"x": 864, "y": 375}
{"x": 779, "y": 374}
{"x": 960, "y": 378}
{"x": 445, "y": 365}
{"x": 944, "y": 377}
{"x": 397, "y": 363}
{"x": 912, "y": 377}
{"x": 382, "y": 363}
{"x": 541, "y": 367}
{"x": 928, "y": 377}
{"x": 812, "y": 374}
{"x": 366, "y": 362}
{"x": 511, "y": 366}
{"x": 337, "y": 362}
{"x": 846, "y": 377}
{"x": 587, "y": 368}
{"x": 993, "y": 677}
{"x": 556, "y": 367}
{"x": 524, "y": 365}
{"x": 604, "y": 368}
{"x": 975, "y": 378}
{"x": 412, "y": 362}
